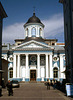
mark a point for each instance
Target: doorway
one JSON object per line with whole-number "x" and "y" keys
{"x": 32, "y": 75}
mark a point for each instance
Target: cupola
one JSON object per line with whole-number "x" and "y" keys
{"x": 34, "y": 27}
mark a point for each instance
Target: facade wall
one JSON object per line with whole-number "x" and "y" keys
{"x": 2, "y": 15}
{"x": 43, "y": 72}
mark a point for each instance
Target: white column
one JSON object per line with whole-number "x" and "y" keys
{"x": 27, "y": 67}
{"x": 61, "y": 66}
{"x": 42, "y": 32}
{"x": 46, "y": 65}
{"x": 18, "y": 67}
{"x": 36, "y": 31}
{"x": 38, "y": 66}
{"x": 14, "y": 66}
{"x": 51, "y": 67}
{"x": 30, "y": 32}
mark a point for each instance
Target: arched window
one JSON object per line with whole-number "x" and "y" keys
{"x": 33, "y": 32}
{"x": 27, "y": 32}
{"x": 40, "y": 32}
{"x": 55, "y": 72}
{"x": 11, "y": 73}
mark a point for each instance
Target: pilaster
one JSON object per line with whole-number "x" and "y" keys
{"x": 14, "y": 67}
{"x": 18, "y": 67}
{"x": 51, "y": 68}
{"x": 61, "y": 66}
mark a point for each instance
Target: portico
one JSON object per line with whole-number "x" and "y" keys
{"x": 33, "y": 66}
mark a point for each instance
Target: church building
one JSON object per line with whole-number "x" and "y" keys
{"x": 35, "y": 58}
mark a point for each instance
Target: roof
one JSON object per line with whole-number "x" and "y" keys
{"x": 59, "y": 49}
{"x": 33, "y": 45}
{"x": 60, "y": 43}
{"x": 39, "y": 39}
{"x": 2, "y": 11}
{"x": 34, "y": 19}
{"x": 35, "y": 38}
{"x": 51, "y": 40}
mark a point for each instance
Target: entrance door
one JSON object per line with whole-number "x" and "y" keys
{"x": 32, "y": 75}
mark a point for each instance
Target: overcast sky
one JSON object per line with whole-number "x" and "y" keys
{"x": 50, "y": 12}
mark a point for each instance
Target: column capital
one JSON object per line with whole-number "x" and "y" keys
{"x": 61, "y": 55}
{"x": 14, "y": 54}
{"x": 18, "y": 55}
{"x": 38, "y": 54}
{"x": 50, "y": 54}
{"x": 26, "y": 54}
{"x": 46, "y": 54}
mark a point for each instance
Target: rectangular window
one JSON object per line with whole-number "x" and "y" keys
{"x": 42, "y": 60}
{"x": 23, "y": 60}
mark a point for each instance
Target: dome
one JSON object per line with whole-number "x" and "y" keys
{"x": 34, "y": 19}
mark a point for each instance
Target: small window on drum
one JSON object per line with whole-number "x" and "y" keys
{"x": 53, "y": 43}
{"x": 33, "y": 32}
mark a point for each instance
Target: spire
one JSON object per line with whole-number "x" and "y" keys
{"x": 34, "y": 11}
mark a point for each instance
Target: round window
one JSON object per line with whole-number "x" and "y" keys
{"x": 55, "y": 59}
{"x": 11, "y": 59}
{"x": 33, "y": 58}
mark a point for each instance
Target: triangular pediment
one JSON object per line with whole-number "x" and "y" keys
{"x": 32, "y": 44}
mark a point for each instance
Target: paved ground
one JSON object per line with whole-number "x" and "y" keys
{"x": 34, "y": 91}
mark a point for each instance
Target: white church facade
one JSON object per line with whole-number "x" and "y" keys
{"x": 35, "y": 58}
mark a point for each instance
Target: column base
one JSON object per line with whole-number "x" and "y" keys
{"x": 42, "y": 79}
{"x": 61, "y": 79}
{"x": 23, "y": 79}
{"x": 39, "y": 79}
{"x": 26, "y": 79}
{"x": 45, "y": 79}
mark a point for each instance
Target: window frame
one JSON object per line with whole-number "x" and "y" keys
{"x": 55, "y": 72}
{"x": 33, "y": 32}
{"x": 11, "y": 73}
